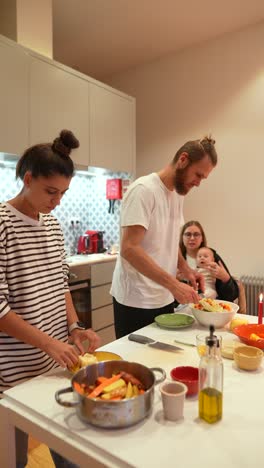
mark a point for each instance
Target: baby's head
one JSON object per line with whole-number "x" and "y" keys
{"x": 204, "y": 256}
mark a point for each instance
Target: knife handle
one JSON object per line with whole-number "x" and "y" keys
{"x": 140, "y": 338}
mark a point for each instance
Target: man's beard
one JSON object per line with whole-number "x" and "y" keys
{"x": 179, "y": 181}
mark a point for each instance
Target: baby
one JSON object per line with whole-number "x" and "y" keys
{"x": 204, "y": 257}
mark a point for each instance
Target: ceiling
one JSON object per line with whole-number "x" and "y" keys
{"x": 104, "y": 37}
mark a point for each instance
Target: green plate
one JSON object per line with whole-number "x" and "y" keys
{"x": 173, "y": 321}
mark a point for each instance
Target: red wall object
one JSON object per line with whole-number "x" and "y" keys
{"x": 114, "y": 189}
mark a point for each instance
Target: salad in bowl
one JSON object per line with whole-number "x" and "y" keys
{"x": 214, "y": 312}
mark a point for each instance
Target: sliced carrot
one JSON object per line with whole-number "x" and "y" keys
{"x": 141, "y": 391}
{"x": 101, "y": 379}
{"x": 104, "y": 384}
{"x": 116, "y": 398}
{"x": 78, "y": 387}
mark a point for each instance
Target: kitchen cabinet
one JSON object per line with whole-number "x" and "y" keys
{"x": 58, "y": 99}
{"x": 13, "y": 98}
{"x": 112, "y": 129}
{"x": 101, "y": 301}
{"x": 39, "y": 97}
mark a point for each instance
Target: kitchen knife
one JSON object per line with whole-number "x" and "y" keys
{"x": 154, "y": 344}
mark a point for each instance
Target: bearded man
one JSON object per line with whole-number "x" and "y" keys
{"x": 144, "y": 281}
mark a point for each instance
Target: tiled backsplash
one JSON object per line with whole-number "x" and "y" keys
{"x": 85, "y": 201}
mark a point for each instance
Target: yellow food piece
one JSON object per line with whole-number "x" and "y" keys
{"x": 135, "y": 390}
{"x": 118, "y": 392}
{"x": 87, "y": 359}
{"x": 75, "y": 368}
{"x": 129, "y": 390}
{"x": 114, "y": 386}
{"x": 254, "y": 337}
{"x": 106, "y": 396}
{"x": 236, "y": 322}
{"x": 201, "y": 349}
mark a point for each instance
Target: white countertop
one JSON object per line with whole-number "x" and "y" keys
{"x": 90, "y": 259}
{"x": 234, "y": 442}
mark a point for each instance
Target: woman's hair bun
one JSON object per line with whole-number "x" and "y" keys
{"x": 65, "y": 143}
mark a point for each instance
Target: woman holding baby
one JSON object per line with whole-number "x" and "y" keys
{"x": 192, "y": 238}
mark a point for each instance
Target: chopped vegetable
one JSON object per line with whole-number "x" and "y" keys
{"x": 254, "y": 337}
{"x": 210, "y": 305}
{"x": 129, "y": 390}
{"x": 114, "y": 386}
{"x": 104, "y": 384}
{"x": 100, "y": 379}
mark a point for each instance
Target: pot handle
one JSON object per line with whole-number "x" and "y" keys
{"x": 160, "y": 371}
{"x": 68, "y": 404}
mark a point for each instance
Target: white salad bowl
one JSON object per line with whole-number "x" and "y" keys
{"x": 217, "y": 319}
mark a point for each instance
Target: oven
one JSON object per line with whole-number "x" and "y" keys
{"x": 80, "y": 287}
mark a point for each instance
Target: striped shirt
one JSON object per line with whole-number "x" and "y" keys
{"x": 33, "y": 282}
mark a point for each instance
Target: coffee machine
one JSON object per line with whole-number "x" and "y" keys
{"x": 96, "y": 241}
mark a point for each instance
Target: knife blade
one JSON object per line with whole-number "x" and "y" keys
{"x": 185, "y": 344}
{"x": 153, "y": 343}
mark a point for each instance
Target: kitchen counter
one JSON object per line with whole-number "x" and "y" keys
{"x": 91, "y": 259}
{"x": 236, "y": 441}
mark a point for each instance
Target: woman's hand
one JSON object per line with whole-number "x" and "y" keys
{"x": 78, "y": 336}
{"x": 218, "y": 271}
{"x": 63, "y": 353}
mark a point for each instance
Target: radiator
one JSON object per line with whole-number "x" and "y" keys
{"x": 254, "y": 285}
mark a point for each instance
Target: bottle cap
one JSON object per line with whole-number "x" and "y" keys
{"x": 212, "y": 340}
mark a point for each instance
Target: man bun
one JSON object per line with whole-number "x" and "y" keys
{"x": 207, "y": 139}
{"x": 65, "y": 143}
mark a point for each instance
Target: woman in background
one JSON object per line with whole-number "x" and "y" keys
{"x": 37, "y": 314}
{"x": 191, "y": 239}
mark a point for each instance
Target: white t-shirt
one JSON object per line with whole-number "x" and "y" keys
{"x": 150, "y": 204}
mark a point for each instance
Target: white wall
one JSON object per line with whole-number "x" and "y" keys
{"x": 215, "y": 87}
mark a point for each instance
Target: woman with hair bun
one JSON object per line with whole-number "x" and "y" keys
{"x": 37, "y": 314}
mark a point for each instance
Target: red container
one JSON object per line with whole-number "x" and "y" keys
{"x": 96, "y": 241}
{"x": 189, "y": 376}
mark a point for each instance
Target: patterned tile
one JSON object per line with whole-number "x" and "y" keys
{"x": 84, "y": 201}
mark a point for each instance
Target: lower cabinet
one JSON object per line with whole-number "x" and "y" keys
{"x": 101, "y": 300}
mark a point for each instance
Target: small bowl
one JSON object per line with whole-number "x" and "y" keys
{"x": 248, "y": 357}
{"x": 189, "y": 376}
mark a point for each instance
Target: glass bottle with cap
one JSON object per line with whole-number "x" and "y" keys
{"x": 211, "y": 381}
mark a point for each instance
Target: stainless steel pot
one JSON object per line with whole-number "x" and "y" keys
{"x": 113, "y": 414}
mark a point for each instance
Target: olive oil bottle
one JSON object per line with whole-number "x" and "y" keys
{"x": 211, "y": 381}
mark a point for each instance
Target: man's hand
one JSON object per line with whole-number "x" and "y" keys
{"x": 195, "y": 279}
{"x": 184, "y": 293}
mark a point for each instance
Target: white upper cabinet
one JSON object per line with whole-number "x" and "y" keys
{"x": 14, "y": 64}
{"x": 39, "y": 97}
{"x": 112, "y": 129}
{"x": 58, "y": 100}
